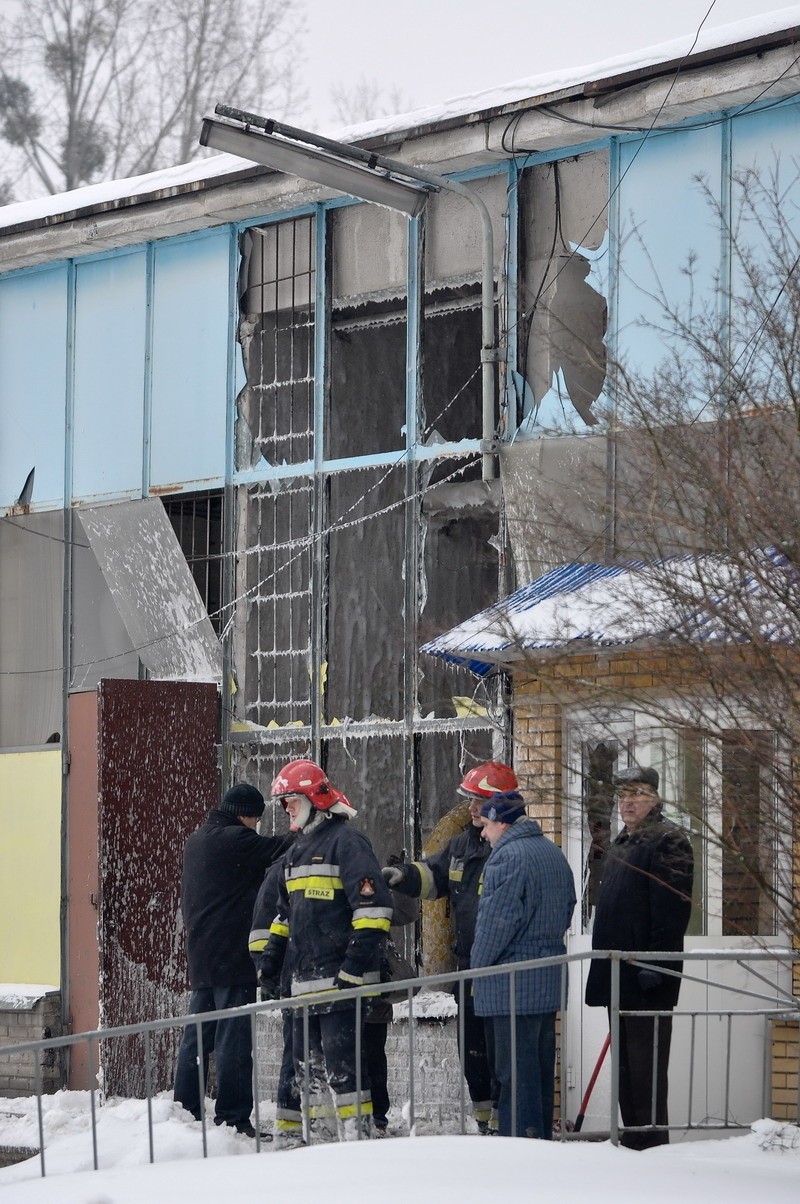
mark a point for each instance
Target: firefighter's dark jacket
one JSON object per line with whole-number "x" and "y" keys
{"x": 644, "y": 903}
{"x": 264, "y": 912}
{"x": 223, "y": 867}
{"x": 333, "y": 911}
{"x": 456, "y": 871}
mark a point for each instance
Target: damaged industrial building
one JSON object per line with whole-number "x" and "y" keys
{"x": 243, "y": 473}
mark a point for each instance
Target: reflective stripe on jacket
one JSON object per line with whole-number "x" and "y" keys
{"x": 334, "y": 909}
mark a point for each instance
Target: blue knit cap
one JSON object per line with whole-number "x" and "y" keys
{"x": 505, "y": 808}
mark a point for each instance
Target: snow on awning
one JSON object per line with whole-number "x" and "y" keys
{"x": 681, "y": 599}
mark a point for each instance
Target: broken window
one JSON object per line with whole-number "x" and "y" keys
{"x": 197, "y": 521}
{"x": 563, "y": 291}
{"x": 367, "y": 411}
{"x": 451, "y": 369}
{"x": 276, "y": 333}
{"x": 273, "y": 617}
{"x": 367, "y": 639}
{"x": 153, "y": 592}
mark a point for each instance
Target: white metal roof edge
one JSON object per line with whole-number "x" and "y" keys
{"x": 536, "y": 89}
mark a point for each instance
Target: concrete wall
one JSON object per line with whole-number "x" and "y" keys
{"x": 24, "y": 1018}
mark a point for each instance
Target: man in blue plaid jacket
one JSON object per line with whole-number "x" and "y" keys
{"x": 525, "y": 908}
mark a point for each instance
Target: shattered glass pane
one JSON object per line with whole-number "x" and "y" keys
{"x": 563, "y": 293}
{"x": 276, "y": 333}
{"x": 366, "y": 636}
{"x": 101, "y": 646}
{"x": 451, "y": 367}
{"x": 273, "y": 613}
{"x": 368, "y": 333}
{"x": 153, "y": 590}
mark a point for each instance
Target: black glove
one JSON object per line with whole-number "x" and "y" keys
{"x": 396, "y": 858}
{"x": 269, "y": 987}
{"x": 650, "y": 979}
{"x": 393, "y": 875}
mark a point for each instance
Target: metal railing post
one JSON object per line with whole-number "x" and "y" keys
{"x": 306, "y": 1075}
{"x": 691, "y": 1068}
{"x": 613, "y": 1018}
{"x": 654, "y": 1091}
{"x": 38, "y": 1068}
{"x": 254, "y": 1047}
{"x": 562, "y": 1055}
{"x": 201, "y": 1079}
{"x": 148, "y": 1087}
{"x": 411, "y": 1116}
{"x": 358, "y": 1067}
{"x": 463, "y": 1055}
{"x": 91, "y": 1076}
{"x": 512, "y": 999}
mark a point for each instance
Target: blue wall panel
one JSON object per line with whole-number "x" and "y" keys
{"x": 189, "y": 360}
{"x": 765, "y": 161}
{"x": 33, "y": 359}
{"x": 664, "y": 218}
{"x": 110, "y": 323}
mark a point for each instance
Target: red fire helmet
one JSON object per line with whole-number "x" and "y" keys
{"x": 306, "y": 777}
{"x": 492, "y": 777}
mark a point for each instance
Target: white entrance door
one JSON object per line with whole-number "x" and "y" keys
{"x": 717, "y": 1067}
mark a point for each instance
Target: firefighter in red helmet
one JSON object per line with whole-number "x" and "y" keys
{"x": 457, "y": 872}
{"x": 334, "y": 909}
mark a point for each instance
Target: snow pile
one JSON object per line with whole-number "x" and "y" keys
{"x": 762, "y": 1165}
{"x": 428, "y": 1005}
{"x": 24, "y": 995}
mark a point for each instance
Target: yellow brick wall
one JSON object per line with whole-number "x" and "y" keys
{"x": 785, "y": 1066}
{"x": 541, "y": 692}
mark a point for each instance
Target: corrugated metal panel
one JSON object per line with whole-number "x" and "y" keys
{"x": 574, "y": 604}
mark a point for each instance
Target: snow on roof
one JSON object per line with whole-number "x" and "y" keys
{"x": 682, "y": 598}
{"x": 534, "y": 86}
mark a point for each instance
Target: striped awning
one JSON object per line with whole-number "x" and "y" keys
{"x": 681, "y": 599}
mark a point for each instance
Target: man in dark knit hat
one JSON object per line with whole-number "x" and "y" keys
{"x": 224, "y": 863}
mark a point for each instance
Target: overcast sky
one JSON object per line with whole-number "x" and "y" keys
{"x": 430, "y": 50}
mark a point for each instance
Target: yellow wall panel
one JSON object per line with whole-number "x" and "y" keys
{"x": 30, "y": 867}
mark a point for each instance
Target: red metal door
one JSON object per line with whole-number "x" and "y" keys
{"x": 157, "y": 777}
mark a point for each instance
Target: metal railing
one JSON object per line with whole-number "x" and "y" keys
{"x": 777, "y": 1004}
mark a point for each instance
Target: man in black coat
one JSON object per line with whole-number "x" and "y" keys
{"x": 224, "y": 863}
{"x": 644, "y": 903}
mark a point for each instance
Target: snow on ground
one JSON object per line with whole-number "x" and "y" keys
{"x": 762, "y": 1165}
